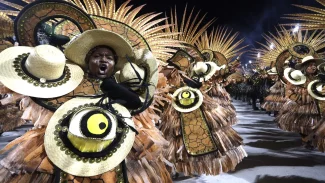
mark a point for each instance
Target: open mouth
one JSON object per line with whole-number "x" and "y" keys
{"x": 102, "y": 68}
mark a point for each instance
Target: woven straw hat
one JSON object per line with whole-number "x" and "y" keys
{"x": 272, "y": 71}
{"x": 308, "y": 59}
{"x": 78, "y": 49}
{"x": 187, "y": 99}
{"x": 295, "y": 77}
{"x": 38, "y": 72}
{"x": 315, "y": 89}
{"x": 71, "y": 142}
{"x": 205, "y": 70}
{"x": 146, "y": 65}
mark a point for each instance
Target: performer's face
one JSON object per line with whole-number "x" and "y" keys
{"x": 273, "y": 77}
{"x": 311, "y": 69}
{"x": 101, "y": 62}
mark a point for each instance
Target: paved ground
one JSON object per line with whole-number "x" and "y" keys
{"x": 274, "y": 156}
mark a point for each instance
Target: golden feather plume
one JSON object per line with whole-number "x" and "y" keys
{"x": 222, "y": 40}
{"x": 311, "y": 21}
{"x": 188, "y": 31}
{"x": 160, "y": 42}
{"x": 284, "y": 38}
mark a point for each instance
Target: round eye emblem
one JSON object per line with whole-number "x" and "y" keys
{"x": 92, "y": 126}
{"x": 187, "y": 99}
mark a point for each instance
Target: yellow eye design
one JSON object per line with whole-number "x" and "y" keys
{"x": 97, "y": 124}
{"x": 186, "y": 94}
{"x": 186, "y": 98}
{"x": 92, "y": 129}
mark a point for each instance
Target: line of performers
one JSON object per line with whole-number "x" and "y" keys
{"x": 291, "y": 86}
{"x": 119, "y": 96}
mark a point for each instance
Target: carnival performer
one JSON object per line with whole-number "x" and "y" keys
{"x": 274, "y": 101}
{"x": 300, "y": 114}
{"x": 135, "y": 76}
{"x": 221, "y": 50}
{"x": 201, "y": 140}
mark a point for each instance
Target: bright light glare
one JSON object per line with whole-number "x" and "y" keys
{"x": 271, "y": 46}
{"x": 296, "y": 29}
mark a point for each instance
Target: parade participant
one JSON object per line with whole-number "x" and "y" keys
{"x": 221, "y": 50}
{"x": 201, "y": 140}
{"x": 300, "y": 113}
{"x": 135, "y": 76}
{"x": 275, "y": 100}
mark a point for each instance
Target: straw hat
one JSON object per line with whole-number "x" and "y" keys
{"x": 295, "y": 77}
{"x": 272, "y": 71}
{"x": 321, "y": 68}
{"x": 38, "y": 72}
{"x": 187, "y": 99}
{"x": 308, "y": 59}
{"x": 205, "y": 70}
{"x": 78, "y": 49}
{"x": 315, "y": 89}
{"x": 85, "y": 140}
{"x": 147, "y": 66}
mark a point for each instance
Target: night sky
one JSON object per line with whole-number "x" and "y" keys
{"x": 251, "y": 18}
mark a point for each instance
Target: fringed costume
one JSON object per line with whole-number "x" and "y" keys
{"x": 275, "y": 100}
{"x": 299, "y": 113}
{"x": 28, "y": 161}
{"x": 212, "y": 148}
{"x": 220, "y": 47}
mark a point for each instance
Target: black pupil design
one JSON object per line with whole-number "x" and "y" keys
{"x": 102, "y": 125}
{"x": 85, "y": 131}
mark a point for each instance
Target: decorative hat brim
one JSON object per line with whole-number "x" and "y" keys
{"x": 180, "y": 108}
{"x": 30, "y": 87}
{"x": 287, "y": 73}
{"x": 312, "y": 93}
{"x": 317, "y": 62}
{"x": 78, "y": 49}
{"x": 71, "y": 165}
{"x": 213, "y": 69}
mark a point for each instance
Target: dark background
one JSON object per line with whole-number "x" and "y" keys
{"x": 251, "y": 18}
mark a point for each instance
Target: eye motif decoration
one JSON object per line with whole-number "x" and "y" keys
{"x": 187, "y": 99}
{"x": 92, "y": 130}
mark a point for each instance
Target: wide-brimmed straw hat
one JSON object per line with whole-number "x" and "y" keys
{"x": 39, "y": 71}
{"x": 315, "y": 89}
{"x": 85, "y": 140}
{"x": 78, "y": 49}
{"x": 147, "y": 67}
{"x": 187, "y": 99}
{"x": 272, "y": 71}
{"x": 309, "y": 59}
{"x": 203, "y": 71}
{"x": 295, "y": 77}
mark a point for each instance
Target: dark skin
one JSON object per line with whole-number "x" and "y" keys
{"x": 101, "y": 63}
{"x": 311, "y": 69}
